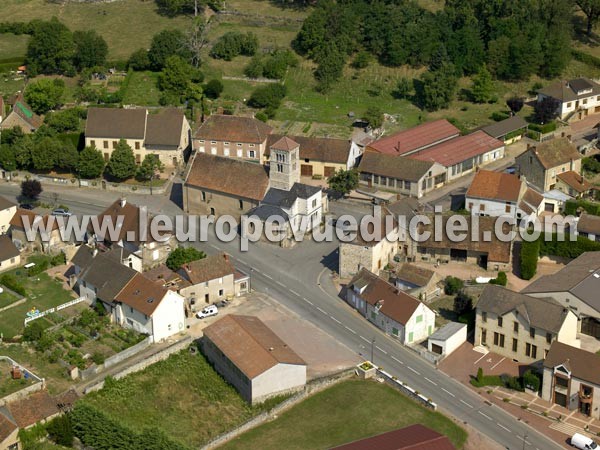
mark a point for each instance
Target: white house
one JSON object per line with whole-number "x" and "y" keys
{"x": 253, "y": 358}
{"x": 7, "y": 211}
{"x": 150, "y": 309}
{"x": 390, "y": 309}
{"x": 580, "y": 96}
{"x": 448, "y": 338}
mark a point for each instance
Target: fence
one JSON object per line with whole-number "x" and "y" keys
{"x": 406, "y": 389}
{"x": 51, "y": 310}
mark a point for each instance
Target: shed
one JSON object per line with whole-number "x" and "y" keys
{"x": 448, "y": 338}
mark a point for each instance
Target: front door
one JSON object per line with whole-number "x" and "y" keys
{"x": 306, "y": 170}
{"x": 329, "y": 171}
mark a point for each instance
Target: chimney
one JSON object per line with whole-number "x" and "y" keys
{"x": 528, "y": 146}
{"x": 123, "y": 202}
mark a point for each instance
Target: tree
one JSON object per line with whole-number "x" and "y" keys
{"x": 483, "y": 86}
{"x": 515, "y": 104}
{"x": 254, "y": 69}
{"x": 343, "y": 181}
{"x": 500, "y": 280}
{"x": 197, "y": 38}
{"x": 45, "y": 94}
{"x": 181, "y": 256}
{"x": 23, "y": 149}
{"x": 331, "y": 61}
{"x": 31, "y": 189}
{"x": 213, "y": 89}
{"x": 528, "y": 259}
{"x": 148, "y": 168}
{"x": 63, "y": 121}
{"x": 68, "y": 157}
{"x": 175, "y": 7}
{"x": 45, "y": 153}
{"x": 60, "y": 430}
{"x": 463, "y": 304}
{"x": 591, "y": 9}
{"x": 165, "y": 44}
{"x": 234, "y": 43}
{"x": 436, "y": 89}
{"x": 139, "y": 60}
{"x": 121, "y": 164}
{"x": 361, "y": 60}
{"x": 90, "y": 49}
{"x": 403, "y": 88}
{"x": 374, "y": 116}
{"x": 177, "y": 80}
{"x": 91, "y": 163}
{"x": 545, "y": 110}
{"x": 33, "y": 332}
{"x": 11, "y": 135}
{"x": 268, "y": 96}
{"x": 50, "y": 49}
{"x": 452, "y": 285}
{"x": 8, "y": 160}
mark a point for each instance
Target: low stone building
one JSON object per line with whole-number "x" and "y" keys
{"x": 419, "y": 282}
{"x": 22, "y": 116}
{"x": 253, "y": 358}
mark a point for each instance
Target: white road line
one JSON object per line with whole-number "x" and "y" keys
{"x": 381, "y": 350}
{"x": 215, "y": 247}
{"x": 243, "y": 262}
{"x": 321, "y": 310}
{"x": 281, "y": 284}
{"x": 465, "y": 403}
{"x": 268, "y": 276}
{"x": 335, "y": 320}
{"x": 350, "y": 330}
{"x": 413, "y": 370}
{"x": 397, "y": 360}
{"x": 523, "y": 439}
{"x": 448, "y": 392}
{"x": 480, "y": 359}
{"x": 365, "y": 339}
{"x": 307, "y": 300}
{"x": 494, "y": 366}
{"x": 503, "y": 427}
{"x": 431, "y": 381}
{"x": 294, "y": 292}
{"x": 485, "y": 415}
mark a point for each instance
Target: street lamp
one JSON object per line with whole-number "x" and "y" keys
{"x": 372, "y": 345}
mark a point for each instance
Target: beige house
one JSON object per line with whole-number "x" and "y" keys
{"x": 574, "y": 184}
{"x": 520, "y": 327}
{"x": 9, "y": 434}
{"x": 572, "y": 379}
{"x": 10, "y": 257}
{"x": 165, "y": 134}
{"x": 211, "y": 279}
{"x": 21, "y": 116}
{"x": 253, "y": 358}
{"x": 233, "y": 137}
{"x": 543, "y": 163}
{"x": 7, "y": 211}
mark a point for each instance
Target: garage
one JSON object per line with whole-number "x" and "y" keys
{"x": 329, "y": 171}
{"x": 306, "y": 170}
{"x": 447, "y": 339}
{"x": 458, "y": 255}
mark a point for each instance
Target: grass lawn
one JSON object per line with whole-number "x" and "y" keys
{"x": 6, "y": 298}
{"x": 344, "y": 413}
{"x": 7, "y": 384}
{"x": 183, "y": 396}
{"x": 12, "y": 46}
{"x": 142, "y": 89}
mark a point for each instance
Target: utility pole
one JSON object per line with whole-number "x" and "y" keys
{"x": 372, "y": 345}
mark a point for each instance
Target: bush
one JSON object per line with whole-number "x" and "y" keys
{"x": 499, "y": 116}
{"x": 452, "y": 285}
{"x": 546, "y": 128}
{"x": 261, "y": 116}
{"x": 58, "y": 260}
{"x": 463, "y": 304}
{"x": 213, "y": 89}
{"x": 591, "y": 164}
{"x": 531, "y": 381}
{"x": 500, "y": 280}
{"x": 38, "y": 268}
{"x": 530, "y": 252}
{"x": 33, "y": 332}
{"x": 269, "y": 96}
{"x": 567, "y": 248}
{"x": 234, "y": 43}
{"x": 11, "y": 282}
{"x": 98, "y": 358}
{"x": 60, "y": 430}
{"x": 571, "y": 207}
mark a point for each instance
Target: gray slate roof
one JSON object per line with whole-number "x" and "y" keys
{"x": 265, "y": 212}
{"x": 285, "y": 199}
{"x": 544, "y": 313}
{"x": 107, "y": 275}
{"x": 447, "y": 331}
{"x": 502, "y": 128}
{"x": 566, "y": 91}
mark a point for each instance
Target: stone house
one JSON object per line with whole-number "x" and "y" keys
{"x": 166, "y": 134}
{"x": 233, "y": 137}
{"x": 21, "y": 116}
{"x": 390, "y": 309}
{"x": 578, "y": 97}
{"x": 574, "y": 184}
{"x": 520, "y": 327}
{"x": 572, "y": 379}
{"x": 417, "y": 281}
{"x": 251, "y": 357}
{"x": 543, "y": 163}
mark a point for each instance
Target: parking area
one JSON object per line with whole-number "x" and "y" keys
{"x": 323, "y": 354}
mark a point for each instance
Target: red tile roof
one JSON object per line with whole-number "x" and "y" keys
{"x": 33, "y": 409}
{"x": 413, "y": 437}
{"x": 207, "y": 269}
{"x": 495, "y": 186}
{"x": 419, "y": 137}
{"x": 142, "y": 294}
{"x": 220, "y": 127}
{"x": 575, "y": 181}
{"x": 459, "y": 149}
{"x": 285, "y": 143}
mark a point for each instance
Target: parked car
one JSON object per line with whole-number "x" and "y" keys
{"x": 583, "y": 442}
{"x": 28, "y": 206}
{"x": 222, "y": 303}
{"x": 209, "y": 311}
{"x": 61, "y": 212}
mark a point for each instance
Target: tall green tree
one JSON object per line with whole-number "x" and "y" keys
{"x": 121, "y": 164}
{"x": 591, "y": 9}
{"x": 374, "y": 115}
{"x": 343, "y": 181}
{"x": 90, "y": 49}
{"x": 23, "y": 150}
{"x": 50, "y": 49}
{"x": 437, "y": 89}
{"x": 148, "y": 168}
{"x": 45, "y": 153}
{"x": 483, "y": 86}
{"x": 45, "y": 94}
{"x": 176, "y": 77}
{"x": 91, "y": 163}
{"x": 165, "y": 44}
{"x": 68, "y": 156}
{"x": 8, "y": 160}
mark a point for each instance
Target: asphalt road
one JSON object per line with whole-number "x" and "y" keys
{"x": 299, "y": 279}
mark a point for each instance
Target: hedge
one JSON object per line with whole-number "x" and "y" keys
{"x": 567, "y": 248}
{"x": 571, "y": 207}
{"x": 11, "y": 282}
{"x": 546, "y": 128}
{"x": 501, "y": 279}
{"x": 530, "y": 252}
{"x": 586, "y": 58}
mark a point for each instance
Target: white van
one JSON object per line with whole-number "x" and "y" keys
{"x": 207, "y": 312}
{"x": 583, "y": 442}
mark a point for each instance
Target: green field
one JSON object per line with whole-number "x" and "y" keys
{"x": 344, "y": 413}
{"x": 142, "y": 89}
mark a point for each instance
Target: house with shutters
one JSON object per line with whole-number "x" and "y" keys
{"x": 578, "y": 97}
{"x": 166, "y": 133}
{"x": 395, "y": 312}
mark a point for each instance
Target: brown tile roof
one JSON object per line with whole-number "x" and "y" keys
{"x": 506, "y": 126}
{"x": 107, "y": 275}
{"x": 459, "y": 149}
{"x": 285, "y": 144}
{"x": 250, "y": 345}
{"x": 141, "y": 294}
{"x": 575, "y": 181}
{"x": 416, "y": 138}
{"x": 555, "y": 152}
{"x": 165, "y": 277}
{"x": 220, "y": 127}
{"x": 566, "y": 91}
{"x": 32, "y": 409}
{"x": 589, "y": 223}
{"x": 317, "y": 149}
{"x": 130, "y": 215}
{"x": 206, "y": 269}
{"x": 17, "y": 219}
{"x": 7, "y": 426}
{"x": 164, "y": 128}
{"x": 583, "y": 365}
{"x": 531, "y": 197}
{"x": 6, "y": 203}
{"x": 24, "y": 111}
{"x": 495, "y": 186}
{"x": 402, "y": 168}
{"x": 395, "y": 303}
{"x": 116, "y": 123}
{"x": 414, "y": 274}
{"x": 228, "y": 175}
{"x": 8, "y": 250}
{"x": 413, "y": 437}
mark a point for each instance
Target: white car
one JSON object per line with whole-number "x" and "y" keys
{"x": 209, "y": 311}
{"x": 583, "y": 442}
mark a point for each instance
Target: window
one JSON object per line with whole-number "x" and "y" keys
{"x": 482, "y": 207}
{"x": 241, "y": 204}
{"x": 137, "y": 145}
{"x": 500, "y": 321}
{"x": 410, "y": 336}
{"x": 105, "y": 144}
{"x": 220, "y": 292}
{"x": 221, "y": 280}
{"x": 499, "y": 340}
{"x": 470, "y": 206}
{"x": 484, "y": 316}
{"x": 225, "y": 152}
{"x": 419, "y": 318}
{"x": 226, "y": 143}
{"x": 515, "y": 345}
{"x": 239, "y": 144}
{"x": 213, "y": 151}
{"x": 395, "y": 331}
{"x": 407, "y": 185}
{"x": 531, "y": 350}
{"x": 249, "y": 145}
{"x": 131, "y": 309}
{"x": 169, "y": 327}
{"x": 93, "y": 143}
{"x": 532, "y": 332}
{"x": 279, "y": 168}
{"x": 372, "y": 315}
{"x": 548, "y": 338}
{"x": 483, "y": 336}
{"x": 562, "y": 382}
{"x": 507, "y": 208}
{"x": 569, "y": 105}
{"x": 201, "y": 141}
{"x": 115, "y": 144}
{"x": 516, "y": 327}
{"x": 239, "y": 153}
{"x": 203, "y": 193}
{"x": 213, "y": 142}
{"x": 251, "y": 154}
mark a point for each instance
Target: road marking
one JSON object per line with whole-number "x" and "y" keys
{"x": 397, "y": 360}
{"x": 465, "y": 403}
{"x": 335, "y": 320}
{"x": 494, "y": 366}
{"x": 448, "y": 392}
{"x": 267, "y": 276}
{"x": 215, "y": 247}
{"x": 243, "y": 262}
{"x": 307, "y": 300}
{"x": 480, "y": 359}
{"x": 294, "y": 292}
{"x": 365, "y": 339}
{"x": 324, "y": 312}
{"x": 485, "y": 415}
{"x": 431, "y": 381}
{"x": 524, "y": 440}
{"x": 281, "y": 284}
{"x": 503, "y": 427}
{"x": 350, "y": 329}
{"x": 381, "y": 350}
{"x": 413, "y": 370}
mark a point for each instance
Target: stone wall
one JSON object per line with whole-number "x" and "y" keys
{"x": 351, "y": 256}
{"x": 37, "y": 386}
